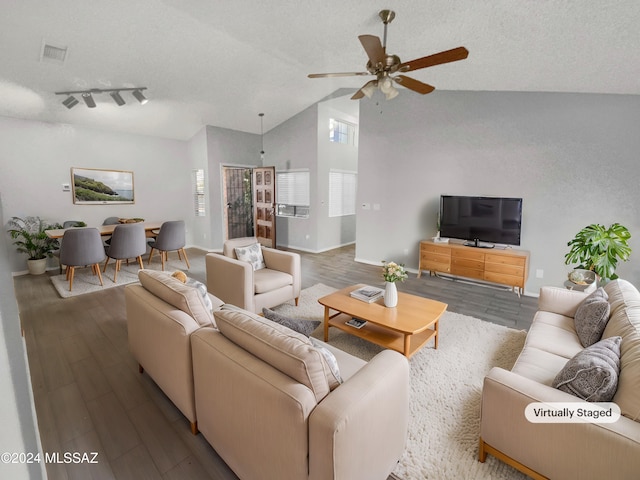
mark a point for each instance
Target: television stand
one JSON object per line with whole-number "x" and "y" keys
{"x": 477, "y": 244}
{"x": 508, "y": 267}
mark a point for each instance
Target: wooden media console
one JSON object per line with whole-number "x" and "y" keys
{"x": 502, "y": 266}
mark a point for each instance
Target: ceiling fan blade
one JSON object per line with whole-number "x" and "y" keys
{"x": 413, "y": 84}
{"x": 344, "y": 74}
{"x": 447, "y": 56}
{"x": 373, "y": 47}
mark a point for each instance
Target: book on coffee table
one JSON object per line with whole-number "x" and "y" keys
{"x": 368, "y": 294}
{"x": 356, "y": 323}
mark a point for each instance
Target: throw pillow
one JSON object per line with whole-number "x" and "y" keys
{"x": 592, "y": 374}
{"x": 202, "y": 290}
{"x": 305, "y": 327}
{"x": 331, "y": 361}
{"x": 591, "y": 317}
{"x": 251, "y": 254}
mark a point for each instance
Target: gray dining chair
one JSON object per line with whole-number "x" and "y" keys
{"x": 67, "y": 224}
{"x": 127, "y": 241}
{"x": 82, "y": 247}
{"x": 171, "y": 237}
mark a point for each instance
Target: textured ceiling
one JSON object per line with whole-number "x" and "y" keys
{"x": 208, "y": 62}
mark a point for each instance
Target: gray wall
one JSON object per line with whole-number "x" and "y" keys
{"x": 573, "y": 158}
{"x": 302, "y": 142}
{"x": 226, "y": 147}
{"x": 294, "y": 145}
{"x": 36, "y": 159}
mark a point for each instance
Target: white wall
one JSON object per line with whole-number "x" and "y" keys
{"x": 334, "y": 231}
{"x": 17, "y": 412}
{"x": 36, "y": 159}
{"x": 573, "y": 158}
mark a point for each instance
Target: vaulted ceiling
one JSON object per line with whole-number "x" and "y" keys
{"x": 208, "y": 62}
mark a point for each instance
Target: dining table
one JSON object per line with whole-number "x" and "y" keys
{"x": 150, "y": 229}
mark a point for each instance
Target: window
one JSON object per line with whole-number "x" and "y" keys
{"x": 342, "y": 132}
{"x": 198, "y": 193}
{"x": 342, "y": 193}
{"x": 292, "y": 193}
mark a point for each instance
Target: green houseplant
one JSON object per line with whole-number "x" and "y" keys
{"x": 598, "y": 248}
{"x": 30, "y": 238}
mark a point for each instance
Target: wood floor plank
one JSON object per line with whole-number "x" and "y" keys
{"x": 86, "y": 446}
{"x": 115, "y": 430}
{"x": 70, "y": 412}
{"x": 136, "y": 464}
{"x": 156, "y": 432}
{"x": 90, "y": 379}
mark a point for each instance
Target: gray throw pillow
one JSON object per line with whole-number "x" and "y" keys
{"x": 591, "y": 317}
{"x": 331, "y": 361}
{"x": 305, "y": 327}
{"x": 592, "y": 374}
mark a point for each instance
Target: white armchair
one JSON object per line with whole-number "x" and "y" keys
{"x": 236, "y": 282}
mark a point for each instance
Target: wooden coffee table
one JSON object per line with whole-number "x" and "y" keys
{"x": 405, "y": 328}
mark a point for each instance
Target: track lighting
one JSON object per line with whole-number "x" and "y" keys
{"x": 117, "y": 98}
{"x": 70, "y": 102}
{"x": 88, "y": 99}
{"x": 88, "y": 96}
{"x": 140, "y": 97}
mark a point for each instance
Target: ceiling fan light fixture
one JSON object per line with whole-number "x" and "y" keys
{"x": 392, "y": 93}
{"x": 70, "y": 102}
{"x": 370, "y": 88}
{"x": 88, "y": 99}
{"x": 117, "y": 98}
{"x": 138, "y": 95}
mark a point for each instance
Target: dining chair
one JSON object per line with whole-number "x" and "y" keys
{"x": 82, "y": 247}
{"x": 66, "y": 224}
{"x": 171, "y": 237}
{"x": 127, "y": 241}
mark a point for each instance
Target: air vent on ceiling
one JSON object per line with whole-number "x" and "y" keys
{"x": 53, "y": 53}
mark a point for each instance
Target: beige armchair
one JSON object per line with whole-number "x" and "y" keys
{"x": 236, "y": 282}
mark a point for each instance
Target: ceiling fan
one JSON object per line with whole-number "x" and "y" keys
{"x": 383, "y": 65}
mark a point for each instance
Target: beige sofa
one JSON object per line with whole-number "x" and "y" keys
{"x": 162, "y": 313}
{"x": 237, "y": 283}
{"x": 269, "y": 400}
{"x": 565, "y": 450}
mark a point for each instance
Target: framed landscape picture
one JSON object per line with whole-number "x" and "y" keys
{"x": 100, "y": 187}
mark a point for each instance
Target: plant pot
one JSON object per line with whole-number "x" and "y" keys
{"x": 38, "y": 266}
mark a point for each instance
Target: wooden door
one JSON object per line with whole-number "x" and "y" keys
{"x": 264, "y": 203}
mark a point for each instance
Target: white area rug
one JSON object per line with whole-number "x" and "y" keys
{"x": 446, "y": 388}
{"x": 85, "y": 282}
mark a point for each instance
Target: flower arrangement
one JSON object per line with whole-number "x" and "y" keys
{"x": 393, "y": 272}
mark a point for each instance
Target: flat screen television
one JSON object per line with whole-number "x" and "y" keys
{"x": 481, "y": 219}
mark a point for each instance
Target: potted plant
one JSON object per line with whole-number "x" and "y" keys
{"x": 599, "y": 249}
{"x": 30, "y": 238}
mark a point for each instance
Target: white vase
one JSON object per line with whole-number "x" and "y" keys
{"x": 390, "y": 294}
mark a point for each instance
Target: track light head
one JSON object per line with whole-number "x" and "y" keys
{"x": 117, "y": 98}
{"x": 88, "y": 99}
{"x": 70, "y": 102}
{"x": 139, "y": 96}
